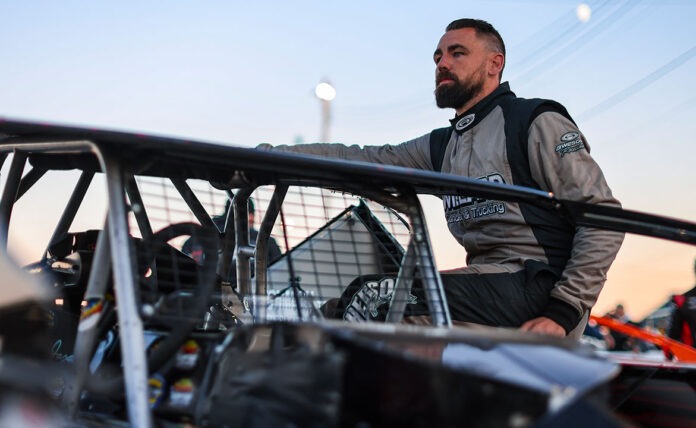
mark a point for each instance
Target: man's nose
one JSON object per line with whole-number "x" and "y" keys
{"x": 443, "y": 64}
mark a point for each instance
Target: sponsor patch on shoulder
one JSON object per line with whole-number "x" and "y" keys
{"x": 570, "y": 142}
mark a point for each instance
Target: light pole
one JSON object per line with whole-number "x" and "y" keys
{"x": 326, "y": 93}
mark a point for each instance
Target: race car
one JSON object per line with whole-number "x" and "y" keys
{"x": 164, "y": 310}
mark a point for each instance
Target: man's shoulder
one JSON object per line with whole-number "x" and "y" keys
{"x": 536, "y": 105}
{"x": 531, "y": 108}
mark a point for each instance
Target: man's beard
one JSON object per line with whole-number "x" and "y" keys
{"x": 458, "y": 93}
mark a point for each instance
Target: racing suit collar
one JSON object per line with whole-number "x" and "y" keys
{"x": 471, "y": 117}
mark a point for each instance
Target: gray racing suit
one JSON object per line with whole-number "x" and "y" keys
{"x": 533, "y": 143}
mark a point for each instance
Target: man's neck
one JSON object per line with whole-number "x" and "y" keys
{"x": 486, "y": 91}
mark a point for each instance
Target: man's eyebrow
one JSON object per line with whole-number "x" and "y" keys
{"x": 450, "y": 48}
{"x": 456, "y": 46}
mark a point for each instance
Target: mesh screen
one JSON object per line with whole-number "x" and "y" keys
{"x": 330, "y": 255}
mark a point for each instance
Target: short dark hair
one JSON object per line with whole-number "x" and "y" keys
{"x": 483, "y": 29}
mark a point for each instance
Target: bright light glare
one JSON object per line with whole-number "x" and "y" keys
{"x": 583, "y": 12}
{"x": 325, "y": 91}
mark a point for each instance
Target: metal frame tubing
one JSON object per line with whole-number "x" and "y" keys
{"x": 192, "y": 200}
{"x": 432, "y": 282}
{"x": 138, "y": 207}
{"x": 88, "y": 327}
{"x": 29, "y": 179}
{"x": 72, "y": 207}
{"x": 243, "y": 251}
{"x": 265, "y": 229}
{"x": 9, "y": 195}
{"x": 404, "y": 283}
{"x": 130, "y": 323}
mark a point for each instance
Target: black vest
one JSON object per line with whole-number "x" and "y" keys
{"x": 553, "y": 232}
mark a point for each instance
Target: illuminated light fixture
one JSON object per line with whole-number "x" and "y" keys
{"x": 583, "y": 12}
{"x": 324, "y": 91}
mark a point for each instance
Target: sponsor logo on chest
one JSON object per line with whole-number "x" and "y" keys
{"x": 464, "y": 122}
{"x": 467, "y": 208}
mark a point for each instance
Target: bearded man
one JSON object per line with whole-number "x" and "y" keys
{"x": 526, "y": 268}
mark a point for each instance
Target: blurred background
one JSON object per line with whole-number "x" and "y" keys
{"x": 242, "y": 73}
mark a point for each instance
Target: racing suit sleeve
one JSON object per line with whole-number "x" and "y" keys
{"x": 411, "y": 154}
{"x": 560, "y": 162}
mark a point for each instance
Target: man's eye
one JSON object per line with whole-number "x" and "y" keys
{"x": 437, "y": 59}
{"x": 457, "y": 54}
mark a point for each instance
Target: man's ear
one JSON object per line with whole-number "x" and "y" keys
{"x": 496, "y": 61}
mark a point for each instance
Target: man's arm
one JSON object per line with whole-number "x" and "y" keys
{"x": 411, "y": 154}
{"x": 560, "y": 162}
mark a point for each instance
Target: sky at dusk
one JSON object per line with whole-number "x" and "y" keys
{"x": 242, "y": 73}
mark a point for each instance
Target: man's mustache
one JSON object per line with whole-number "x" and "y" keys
{"x": 445, "y": 75}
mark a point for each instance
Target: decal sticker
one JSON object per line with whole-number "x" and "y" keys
{"x": 465, "y": 121}
{"x": 92, "y": 306}
{"x": 187, "y": 357}
{"x": 365, "y": 303}
{"x": 181, "y": 393}
{"x": 570, "y": 142}
{"x": 156, "y": 387}
{"x": 56, "y": 351}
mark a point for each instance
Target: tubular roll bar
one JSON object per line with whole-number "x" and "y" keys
{"x": 118, "y": 245}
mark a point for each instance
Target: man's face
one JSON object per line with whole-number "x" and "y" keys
{"x": 461, "y": 67}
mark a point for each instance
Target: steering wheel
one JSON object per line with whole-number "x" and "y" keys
{"x": 174, "y": 288}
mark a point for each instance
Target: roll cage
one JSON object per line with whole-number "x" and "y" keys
{"x": 121, "y": 158}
